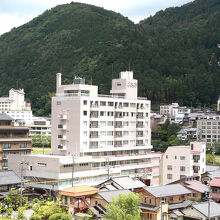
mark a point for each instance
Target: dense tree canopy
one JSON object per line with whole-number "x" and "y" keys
{"x": 173, "y": 54}
{"x": 126, "y": 207}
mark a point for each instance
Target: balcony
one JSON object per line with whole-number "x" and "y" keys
{"x": 94, "y": 106}
{"x": 94, "y": 116}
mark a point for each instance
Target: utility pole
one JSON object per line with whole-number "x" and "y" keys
{"x": 22, "y": 169}
{"x": 73, "y": 168}
{"x": 108, "y": 168}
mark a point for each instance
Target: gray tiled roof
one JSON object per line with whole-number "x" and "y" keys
{"x": 109, "y": 195}
{"x": 167, "y": 190}
{"x": 9, "y": 177}
{"x": 5, "y": 117}
{"x": 183, "y": 204}
{"x": 149, "y": 207}
{"x": 203, "y": 208}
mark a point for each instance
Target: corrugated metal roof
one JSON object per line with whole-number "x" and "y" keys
{"x": 109, "y": 195}
{"x": 203, "y": 208}
{"x": 128, "y": 183}
{"x": 149, "y": 207}
{"x": 215, "y": 182}
{"x": 197, "y": 186}
{"x": 5, "y": 117}
{"x": 167, "y": 190}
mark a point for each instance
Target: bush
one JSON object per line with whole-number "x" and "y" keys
{"x": 36, "y": 217}
{"x": 60, "y": 216}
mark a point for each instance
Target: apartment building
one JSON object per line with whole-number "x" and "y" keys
{"x": 182, "y": 161}
{"x": 13, "y": 140}
{"x": 40, "y": 126}
{"x": 167, "y": 109}
{"x": 15, "y": 106}
{"x": 108, "y": 135}
{"x": 208, "y": 129}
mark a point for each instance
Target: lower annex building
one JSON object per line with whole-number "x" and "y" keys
{"x": 96, "y": 136}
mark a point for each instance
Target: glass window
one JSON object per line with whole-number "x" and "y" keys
{"x": 22, "y": 145}
{"x": 7, "y": 145}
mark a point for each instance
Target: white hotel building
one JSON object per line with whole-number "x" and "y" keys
{"x": 107, "y": 134}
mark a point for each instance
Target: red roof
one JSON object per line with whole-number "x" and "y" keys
{"x": 215, "y": 182}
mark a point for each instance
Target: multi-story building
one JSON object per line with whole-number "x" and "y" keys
{"x": 107, "y": 134}
{"x": 187, "y": 133}
{"x": 13, "y": 140}
{"x": 208, "y": 129}
{"x": 215, "y": 189}
{"x": 15, "y": 106}
{"x": 40, "y": 126}
{"x": 183, "y": 161}
{"x": 167, "y": 109}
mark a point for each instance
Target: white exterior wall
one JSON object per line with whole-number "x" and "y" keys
{"x": 172, "y": 157}
{"x": 133, "y": 115}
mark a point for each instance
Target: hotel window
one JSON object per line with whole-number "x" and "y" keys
{"x": 84, "y": 133}
{"x": 23, "y": 153}
{"x": 84, "y": 123}
{"x": 6, "y": 146}
{"x": 169, "y": 176}
{"x": 182, "y": 157}
{"x": 84, "y": 112}
{"x": 85, "y": 102}
{"x": 22, "y": 145}
{"x": 58, "y": 102}
{"x": 182, "y": 168}
{"x": 166, "y": 156}
{"x": 169, "y": 167}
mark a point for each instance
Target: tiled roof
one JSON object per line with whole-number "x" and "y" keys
{"x": 167, "y": 190}
{"x": 109, "y": 195}
{"x": 180, "y": 205}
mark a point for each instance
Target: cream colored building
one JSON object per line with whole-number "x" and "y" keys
{"x": 109, "y": 135}
{"x": 16, "y": 107}
{"x": 183, "y": 161}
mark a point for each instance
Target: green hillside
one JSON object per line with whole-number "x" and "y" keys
{"x": 173, "y": 54}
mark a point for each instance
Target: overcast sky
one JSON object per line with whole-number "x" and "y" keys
{"x": 14, "y": 13}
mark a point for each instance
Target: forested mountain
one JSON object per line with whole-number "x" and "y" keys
{"x": 173, "y": 54}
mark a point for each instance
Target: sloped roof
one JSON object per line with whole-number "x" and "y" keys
{"x": 215, "y": 182}
{"x": 81, "y": 190}
{"x": 197, "y": 186}
{"x": 128, "y": 183}
{"x": 203, "y": 208}
{"x": 109, "y": 195}
{"x": 149, "y": 207}
{"x": 5, "y": 117}
{"x": 167, "y": 190}
{"x": 180, "y": 205}
{"x": 9, "y": 177}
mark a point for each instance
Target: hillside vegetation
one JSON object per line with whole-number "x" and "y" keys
{"x": 173, "y": 54}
